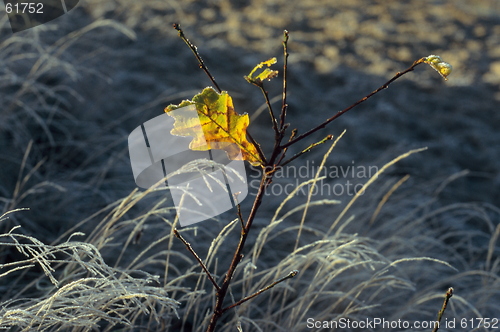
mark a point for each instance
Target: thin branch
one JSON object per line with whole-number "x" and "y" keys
{"x": 238, "y": 209}
{"x": 270, "y": 108}
{"x": 240, "y": 217}
{"x": 322, "y": 125}
{"x": 290, "y": 275}
{"x": 284, "y": 105}
{"x": 194, "y": 49}
{"x": 280, "y": 133}
{"x": 309, "y": 148}
{"x": 259, "y": 149}
{"x": 284, "y": 151}
{"x": 188, "y": 246}
{"x": 447, "y": 297}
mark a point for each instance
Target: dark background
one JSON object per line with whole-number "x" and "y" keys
{"x": 76, "y": 95}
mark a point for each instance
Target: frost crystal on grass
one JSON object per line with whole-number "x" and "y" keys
{"x": 87, "y": 294}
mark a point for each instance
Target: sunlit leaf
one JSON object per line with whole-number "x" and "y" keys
{"x": 443, "y": 68}
{"x": 266, "y": 74}
{"x": 222, "y": 127}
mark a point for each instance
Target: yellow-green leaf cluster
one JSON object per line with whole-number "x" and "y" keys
{"x": 266, "y": 74}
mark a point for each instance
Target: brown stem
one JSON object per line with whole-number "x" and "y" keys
{"x": 309, "y": 148}
{"x": 194, "y": 49}
{"x": 240, "y": 216}
{"x": 221, "y": 294}
{"x": 283, "y": 154}
{"x": 280, "y": 133}
{"x": 259, "y": 149}
{"x": 265, "y": 181}
{"x": 447, "y": 297}
{"x": 284, "y": 105}
{"x": 191, "y": 250}
{"x": 270, "y": 108}
{"x": 327, "y": 121}
{"x": 290, "y": 275}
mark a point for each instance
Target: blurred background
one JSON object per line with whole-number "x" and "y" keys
{"x": 77, "y": 94}
{"x": 73, "y": 89}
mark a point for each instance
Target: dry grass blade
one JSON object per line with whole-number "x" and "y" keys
{"x": 86, "y": 294}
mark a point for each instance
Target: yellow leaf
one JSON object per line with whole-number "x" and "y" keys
{"x": 221, "y": 126}
{"x": 266, "y": 74}
{"x": 443, "y": 68}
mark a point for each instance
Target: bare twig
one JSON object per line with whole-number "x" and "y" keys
{"x": 327, "y": 121}
{"x": 280, "y": 133}
{"x": 188, "y": 246}
{"x": 270, "y": 108}
{"x": 259, "y": 149}
{"x": 290, "y": 275}
{"x": 309, "y": 148}
{"x": 240, "y": 217}
{"x": 194, "y": 49}
{"x": 284, "y": 105}
{"x": 238, "y": 209}
{"x": 283, "y": 153}
{"x": 447, "y": 297}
